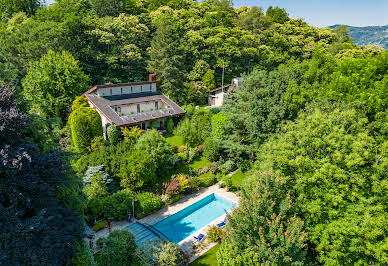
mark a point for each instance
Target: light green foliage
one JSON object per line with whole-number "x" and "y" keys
{"x": 208, "y": 80}
{"x": 113, "y": 134}
{"x": 170, "y": 125}
{"x": 218, "y": 122}
{"x": 211, "y": 149}
{"x": 97, "y": 143}
{"x": 209, "y": 258}
{"x": 263, "y": 228}
{"x": 10, "y": 7}
{"x": 335, "y": 169}
{"x": 147, "y": 203}
{"x": 79, "y": 102}
{"x": 195, "y": 129}
{"x": 119, "y": 249}
{"x": 52, "y": 83}
{"x": 195, "y": 93}
{"x": 97, "y": 188}
{"x": 100, "y": 225}
{"x": 164, "y": 253}
{"x": 214, "y": 234}
{"x": 176, "y": 140}
{"x": 83, "y": 256}
{"x": 132, "y": 135}
{"x": 277, "y": 14}
{"x": 199, "y": 70}
{"x": 118, "y": 205}
{"x": 138, "y": 171}
{"x": 343, "y": 34}
{"x": 158, "y": 150}
{"x": 85, "y": 126}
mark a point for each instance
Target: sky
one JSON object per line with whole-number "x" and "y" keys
{"x": 323, "y": 13}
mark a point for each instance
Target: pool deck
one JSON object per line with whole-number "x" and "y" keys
{"x": 186, "y": 244}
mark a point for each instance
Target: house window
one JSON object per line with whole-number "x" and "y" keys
{"x": 121, "y": 89}
{"x": 117, "y": 109}
{"x": 141, "y": 88}
{"x": 131, "y": 89}
{"x": 138, "y": 108}
{"x": 150, "y": 87}
{"x": 110, "y": 91}
{"x": 156, "y": 105}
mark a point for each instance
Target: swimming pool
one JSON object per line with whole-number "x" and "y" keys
{"x": 192, "y": 218}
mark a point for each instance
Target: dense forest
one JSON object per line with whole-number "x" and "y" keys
{"x": 309, "y": 125}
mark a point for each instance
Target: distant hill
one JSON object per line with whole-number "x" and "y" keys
{"x": 377, "y": 35}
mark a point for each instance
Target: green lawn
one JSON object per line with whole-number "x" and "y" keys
{"x": 238, "y": 178}
{"x": 199, "y": 163}
{"x": 209, "y": 258}
{"x": 177, "y": 140}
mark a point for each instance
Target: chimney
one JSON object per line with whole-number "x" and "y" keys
{"x": 152, "y": 77}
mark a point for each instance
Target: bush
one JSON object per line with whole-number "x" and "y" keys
{"x": 85, "y": 126}
{"x": 244, "y": 165}
{"x": 199, "y": 149}
{"x": 99, "y": 225}
{"x": 182, "y": 149}
{"x": 170, "y": 125}
{"x": 172, "y": 187}
{"x": 113, "y": 134}
{"x": 164, "y": 253}
{"x": 118, "y": 205}
{"x": 174, "y": 148}
{"x": 153, "y": 125}
{"x": 119, "y": 249}
{"x": 183, "y": 182}
{"x": 195, "y": 182}
{"x": 147, "y": 203}
{"x": 214, "y": 234}
{"x": 208, "y": 179}
{"x": 100, "y": 242}
{"x": 83, "y": 255}
{"x": 138, "y": 170}
{"x": 132, "y": 135}
{"x": 97, "y": 143}
{"x": 211, "y": 150}
{"x": 182, "y": 157}
{"x": 228, "y": 166}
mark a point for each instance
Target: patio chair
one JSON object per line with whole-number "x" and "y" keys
{"x": 200, "y": 237}
{"x": 222, "y": 224}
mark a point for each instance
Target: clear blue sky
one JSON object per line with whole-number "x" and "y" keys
{"x": 324, "y": 13}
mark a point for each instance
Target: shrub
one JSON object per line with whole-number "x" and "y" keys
{"x": 211, "y": 150}
{"x": 113, "y": 134}
{"x": 195, "y": 182}
{"x": 94, "y": 209}
{"x": 214, "y": 234}
{"x": 158, "y": 149}
{"x": 118, "y": 205}
{"x": 138, "y": 170}
{"x": 147, "y": 203}
{"x": 132, "y": 135}
{"x": 85, "y": 126}
{"x": 175, "y": 198}
{"x": 199, "y": 149}
{"x": 164, "y": 253}
{"x": 183, "y": 182}
{"x": 99, "y": 225}
{"x": 182, "y": 149}
{"x": 97, "y": 143}
{"x": 182, "y": 157}
{"x": 207, "y": 180}
{"x": 244, "y": 165}
{"x": 228, "y": 166}
{"x": 119, "y": 249}
{"x": 174, "y": 148}
{"x": 153, "y": 124}
{"x": 170, "y": 125}
{"x": 172, "y": 187}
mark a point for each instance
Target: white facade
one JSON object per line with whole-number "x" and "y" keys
{"x": 110, "y": 91}
{"x": 216, "y": 98}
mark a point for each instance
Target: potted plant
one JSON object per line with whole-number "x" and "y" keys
{"x": 132, "y": 113}
{"x": 141, "y": 111}
{"x": 121, "y": 114}
{"x": 151, "y": 109}
{"x": 160, "y": 107}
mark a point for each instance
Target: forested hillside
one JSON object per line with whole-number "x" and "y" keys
{"x": 309, "y": 127}
{"x": 370, "y": 35}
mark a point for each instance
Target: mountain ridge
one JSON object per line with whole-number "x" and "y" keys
{"x": 368, "y": 35}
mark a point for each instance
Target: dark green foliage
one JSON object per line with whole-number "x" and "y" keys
{"x": 100, "y": 225}
{"x": 97, "y": 143}
{"x": 52, "y": 83}
{"x": 113, "y": 134}
{"x": 32, "y": 219}
{"x": 146, "y": 204}
{"x": 139, "y": 170}
{"x": 85, "y": 126}
{"x": 334, "y": 169}
{"x": 10, "y": 7}
{"x": 277, "y": 14}
{"x": 170, "y": 125}
{"x": 158, "y": 150}
{"x": 195, "y": 129}
{"x": 263, "y": 229}
{"x": 211, "y": 149}
{"x": 119, "y": 249}
{"x": 83, "y": 256}
{"x": 164, "y": 253}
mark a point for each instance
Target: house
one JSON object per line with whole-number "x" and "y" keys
{"x": 217, "y": 96}
{"x": 130, "y": 104}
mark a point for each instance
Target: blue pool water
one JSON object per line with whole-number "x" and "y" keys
{"x": 185, "y": 222}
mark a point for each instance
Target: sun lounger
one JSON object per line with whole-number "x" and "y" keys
{"x": 222, "y": 224}
{"x": 200, "y": 237}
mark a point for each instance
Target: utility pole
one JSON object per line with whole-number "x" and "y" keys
{"x": 223, "y": 72}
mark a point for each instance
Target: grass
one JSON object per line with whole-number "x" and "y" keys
{"x": 209, "y": 258}
{"x": 200, "y": 163}
{"x": 238, "y": 178}
{"x": 177, "y": 140}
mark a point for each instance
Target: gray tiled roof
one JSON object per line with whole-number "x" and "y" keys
{"x": 104, "y": 104}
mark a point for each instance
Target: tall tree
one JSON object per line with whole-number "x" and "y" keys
{"x": 35, "y": 228}
{"x": 9, "y": 7}
{"x": 167, "y": 57}
{"x": 52, "y": 84}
